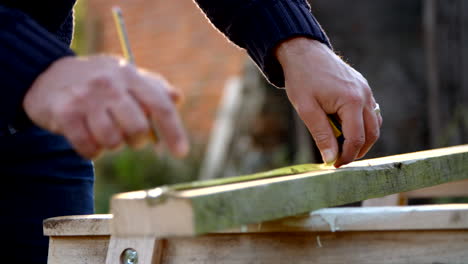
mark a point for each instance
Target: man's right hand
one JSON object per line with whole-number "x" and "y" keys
{"x": 320, "y": 83}
{"x": 100, "y": 102}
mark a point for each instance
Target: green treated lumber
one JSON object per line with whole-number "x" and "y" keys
{"x": 202, "y": 210}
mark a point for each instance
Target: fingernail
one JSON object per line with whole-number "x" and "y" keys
{"x": 328, "y": 156}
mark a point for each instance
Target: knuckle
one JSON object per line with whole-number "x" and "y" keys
{"x": 141, "y": 128}
{"x": 114, "y": 141}
{"x": 374, "y": 135}
{"x": 106, "y": 84}
{"x": 107, "y": 128}
{"x": 357, "y": 142}
{"x": 367, "y": 91}
{"x": 65, "y": 113}
{"x": 164, "y": 110}
{"x": 137, "y": 130}
{"x": 321, "y": 138}
{"x": 304, "y": 108}
{"x": 103, "y": 81}
{"x": 105, "y": 138}
{"x": 106, "y": 134}
{"x": 79, "y": 95}
{"x": 355, "y": 99}
{"x": 81, "y": 141}
{"x": 88, "y": 150}
{"x": 129, "y": 70}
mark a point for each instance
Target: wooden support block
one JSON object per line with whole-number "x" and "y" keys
{"x": 91, "y": 249}
{"x": 78, "y": 239}
{"x": 210, "y": 209}
{"x": 145, "y": 247}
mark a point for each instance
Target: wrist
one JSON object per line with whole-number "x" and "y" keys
{"x": 300, "y": 47}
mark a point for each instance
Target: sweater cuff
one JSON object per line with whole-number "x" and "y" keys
{"x": 270, "y": 24}
{"x": 26, "y": 50}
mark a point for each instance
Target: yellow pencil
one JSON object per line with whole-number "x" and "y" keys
{"x": 127, "y": 51}
{"x": 123, "y": 36}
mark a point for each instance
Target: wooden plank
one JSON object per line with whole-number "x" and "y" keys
{"x": 440, "y": 246}
{"x": 428, "y": 217}
{"x": 78, "y": 225}
{"x": 446, "y": 216}
{"x": 398, "y": 247}
{"x": 90, "y": 249}
{"x": 217, "y": 208}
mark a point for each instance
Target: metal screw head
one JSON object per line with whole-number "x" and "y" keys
{"x": 129, "y": 256}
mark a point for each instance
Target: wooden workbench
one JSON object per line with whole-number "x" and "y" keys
{"x": 268, "y": 220}
{"x": 405, "y": 234}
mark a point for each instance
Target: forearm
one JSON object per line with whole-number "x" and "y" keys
{"x": 260, "y": 26}
{"x": 26, "y": 50}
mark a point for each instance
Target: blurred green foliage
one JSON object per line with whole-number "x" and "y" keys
{"x": 80, "y": 44}
{"x": 130, "y": 170}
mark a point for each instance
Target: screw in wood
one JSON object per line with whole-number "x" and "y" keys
{"x": 129, "y": 256}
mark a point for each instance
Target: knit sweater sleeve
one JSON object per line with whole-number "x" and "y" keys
{"x": 260, "y": 25}
{"x": 26, "y": 50}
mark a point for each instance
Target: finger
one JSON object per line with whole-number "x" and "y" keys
{"x": 174, "y": 94}
{"x": 380, "y": 119}
{"x": 353, "y": 131}
{"x": 169, "y": 123}
{"x": 378, "y": 114}
{"x": 104, "y": 130}
{"x": 317, "y": 122}
{"x": 163, "y": 112}
{"x": 132, "y": 121}
{"x": 76, "y": 131}
{"x": 372, "y": 130}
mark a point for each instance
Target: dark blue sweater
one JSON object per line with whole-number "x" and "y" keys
{"x": 33, "y": 35}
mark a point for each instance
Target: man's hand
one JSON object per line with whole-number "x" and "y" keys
{"x": 318, "y": 83}
{"x": 100, "y": 103}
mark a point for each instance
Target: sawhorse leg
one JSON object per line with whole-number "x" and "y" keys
{"x": 133, "y": 250}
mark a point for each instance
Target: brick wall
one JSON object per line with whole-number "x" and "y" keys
{"x": 175, "y": 39}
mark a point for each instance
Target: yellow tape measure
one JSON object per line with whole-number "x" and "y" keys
{"x": 337, "y": 131}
